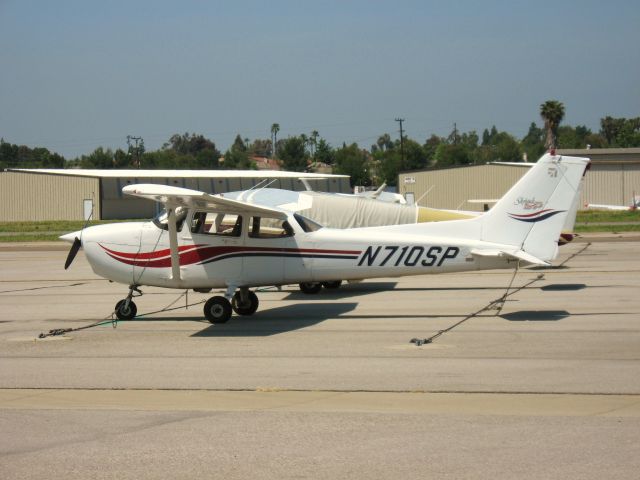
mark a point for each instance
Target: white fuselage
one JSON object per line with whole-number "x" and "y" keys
{"x": 139, "y": 254}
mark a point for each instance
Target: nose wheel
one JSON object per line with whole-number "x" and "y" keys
{"x": 126, "y": 309}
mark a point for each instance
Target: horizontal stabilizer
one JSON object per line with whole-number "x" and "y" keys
{"x": 513, "y": 254}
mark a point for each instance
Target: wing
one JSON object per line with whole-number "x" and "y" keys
{"x": 185, "y": 197}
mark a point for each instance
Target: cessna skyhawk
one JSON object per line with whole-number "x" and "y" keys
{"x": 204, "y": 241}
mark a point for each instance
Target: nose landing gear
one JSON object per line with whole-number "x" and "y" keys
{"x": 126, "y": 309}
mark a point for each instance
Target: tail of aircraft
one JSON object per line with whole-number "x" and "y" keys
{"x": 531, "y": 214}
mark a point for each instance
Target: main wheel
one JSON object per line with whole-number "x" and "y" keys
{"x": 217, "y": 310}
{"x": 125, "y": 313}
{"x": 247, "y": 307}
{"x": 333, "y": 284}
{"x": 310, "y": 287}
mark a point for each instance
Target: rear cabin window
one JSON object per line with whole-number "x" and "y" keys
{"x": 265, "y": 227}
{"x": 212, "y": 223}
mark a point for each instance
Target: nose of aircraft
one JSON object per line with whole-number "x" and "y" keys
{"x": 70, "y": 237}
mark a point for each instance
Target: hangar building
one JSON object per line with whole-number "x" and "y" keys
{"x": 71, "y": 194}
{"x": 613, "y": 178}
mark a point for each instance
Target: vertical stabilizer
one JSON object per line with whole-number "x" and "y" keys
{"x": 531, "y": 214}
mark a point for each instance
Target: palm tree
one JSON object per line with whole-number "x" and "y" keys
{"x": 275, "y": 128}
{"x": 384, "y": 142}
{"x": 552, "y": 112}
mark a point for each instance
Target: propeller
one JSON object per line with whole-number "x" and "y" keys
{"x": 76, "y": 242}
{"x": 73, "y": 252}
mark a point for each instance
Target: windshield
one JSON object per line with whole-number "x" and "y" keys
{"x": 162, "y": 219}
{"x": 306, "y": 224}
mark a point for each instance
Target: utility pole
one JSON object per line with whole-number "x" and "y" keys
{"x": 135, "y": 151}
{"x": 400, "y": 120}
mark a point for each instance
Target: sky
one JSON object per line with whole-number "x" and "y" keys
{"x": 75, "y": 75}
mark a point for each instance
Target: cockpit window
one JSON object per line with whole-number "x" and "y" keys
{"x": 162, "y": 220}
{"x": 306, "y": 224}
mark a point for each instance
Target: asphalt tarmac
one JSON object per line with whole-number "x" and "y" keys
{"x": 328, "y": 385}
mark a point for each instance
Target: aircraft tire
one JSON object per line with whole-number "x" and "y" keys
{"x": 333, "y": 284}
{"x": 246, "y": 309}
{"x": 310, "y": 288}
{"x": 126, "y": 313}
{"x": 217, "y": 310}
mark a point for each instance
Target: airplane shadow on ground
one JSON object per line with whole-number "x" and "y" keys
{"x": 353, "y": 290}
{"x": 563, "y": 287}
{"x": 277, "y": 320}
{"x": 345, "y": 291}
{"x": 536, "y": 315}
{"x": 550, "y": 315}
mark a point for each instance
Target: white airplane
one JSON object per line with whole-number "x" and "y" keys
{"x": 635, "y": 205}
{"x": 205, "y": 241}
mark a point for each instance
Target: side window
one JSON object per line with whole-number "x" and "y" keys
{"x": 212, "y": 223}
{"x": 265, "y": 227}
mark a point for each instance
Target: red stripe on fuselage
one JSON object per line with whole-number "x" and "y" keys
{"x": 192, "y": 254}
{"x": 149, "y": 255}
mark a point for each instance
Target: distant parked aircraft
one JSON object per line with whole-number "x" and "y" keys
{"x": 635, "y": 204}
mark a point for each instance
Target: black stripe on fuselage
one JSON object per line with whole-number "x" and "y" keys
{"x": 275, "y": 254}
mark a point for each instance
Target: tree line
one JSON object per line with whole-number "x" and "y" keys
{"x": 379, "y": 163}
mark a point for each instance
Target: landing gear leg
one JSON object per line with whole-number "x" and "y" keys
{"x": 244, "y": 302}
{"x": 126, "y": 309}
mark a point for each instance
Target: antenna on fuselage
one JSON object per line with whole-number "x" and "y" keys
{"x": 248, "y": 194}
{"x": 255, "y": 187}
{"x": 258, "y": 184}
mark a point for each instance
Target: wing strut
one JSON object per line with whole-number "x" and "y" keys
{"x": 173, "y": 243}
